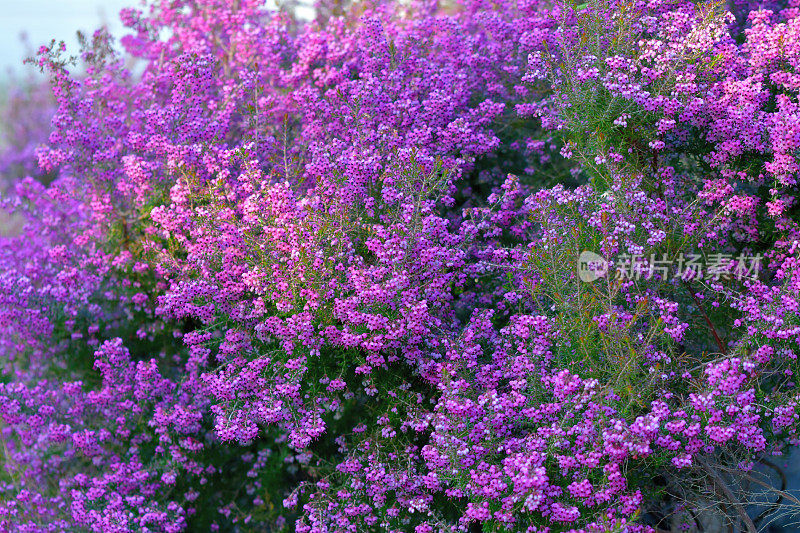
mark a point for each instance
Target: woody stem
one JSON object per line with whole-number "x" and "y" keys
{"x": 711, "y": 327}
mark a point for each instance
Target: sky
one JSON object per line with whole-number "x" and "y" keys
{"x": 43, "y": 20}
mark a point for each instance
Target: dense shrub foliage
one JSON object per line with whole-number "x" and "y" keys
{"x": 323, "y": 276}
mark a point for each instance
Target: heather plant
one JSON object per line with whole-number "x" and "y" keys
{"x": 328, "y": 275}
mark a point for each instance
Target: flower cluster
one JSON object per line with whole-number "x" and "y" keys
{"x": 288, "y": 275}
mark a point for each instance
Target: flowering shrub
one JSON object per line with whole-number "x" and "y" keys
{"x": 324, "y": 276}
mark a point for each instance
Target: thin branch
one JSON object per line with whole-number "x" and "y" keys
{"x": 784, "y": 493}
{"x": 780, "y": 492}
{"x": 717, "y": 338}
{"x": 723, "y": 490}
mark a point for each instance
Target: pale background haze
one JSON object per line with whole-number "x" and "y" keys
{"x": 43, "y": 20}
